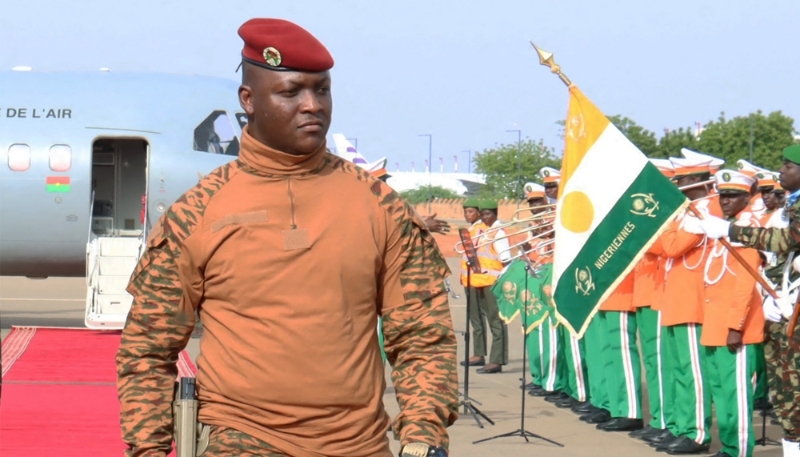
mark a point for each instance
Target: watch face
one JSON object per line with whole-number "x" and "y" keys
{"x": 422, "y": 450}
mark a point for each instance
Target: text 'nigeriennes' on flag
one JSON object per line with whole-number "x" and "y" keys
{"x": 613, "y": 203}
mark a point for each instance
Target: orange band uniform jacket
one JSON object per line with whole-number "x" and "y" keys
{"x": 732, "y": 299}
{"x": 622, "y": 297}
{"x": 649, "y": 278}
{"x": 684, "y": 287}
{"x": 542, "y": 247}
{"x": 289, "y": 282}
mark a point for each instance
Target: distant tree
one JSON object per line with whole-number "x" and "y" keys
{"x": 644, "y": 139}
{"x": 423, "y": 194}
{"x": 502, "y": 165}
{"x": 673, "y": 141}
{"x": 729, "y": 139}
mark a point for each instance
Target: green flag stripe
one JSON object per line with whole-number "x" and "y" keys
{"x": 622, "y": 235}
{"x": 58, "y": 188}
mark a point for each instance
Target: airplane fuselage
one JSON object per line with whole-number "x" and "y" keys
{"x": 101, "y": 153}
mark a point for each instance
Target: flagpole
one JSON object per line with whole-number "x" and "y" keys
{"x": 546, "y": 59}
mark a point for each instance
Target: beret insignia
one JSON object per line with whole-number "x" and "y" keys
{"x": 272, "y": 56}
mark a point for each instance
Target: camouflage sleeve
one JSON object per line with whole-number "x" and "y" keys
{"x": 419, "y": 340}
{"x": 777, "y": 240}
{"x": 157, "y": 329}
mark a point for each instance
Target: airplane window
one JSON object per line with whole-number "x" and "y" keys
{"x": 19, "y": 157}
{"x": 242, "y": 118}
{"x": 216, "y": 136}
{"x": 60, "y": 157}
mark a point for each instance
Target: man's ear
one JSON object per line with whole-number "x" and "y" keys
{"x": 246, "y": 100}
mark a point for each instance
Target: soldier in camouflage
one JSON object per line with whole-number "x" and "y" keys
{"x": 290, "y": 296}
{"x": 784, "y": 242}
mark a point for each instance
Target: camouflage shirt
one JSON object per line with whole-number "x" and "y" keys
{"x": 781, "y": 241}
{"x": 290, "y": 353}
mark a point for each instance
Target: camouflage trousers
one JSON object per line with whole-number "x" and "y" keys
{"x": 227, "y": 442}
{"x": 787, "y": 374}
{"x": 772, "y": 339}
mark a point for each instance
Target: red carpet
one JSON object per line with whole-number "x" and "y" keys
{"x": 59, "y": 393}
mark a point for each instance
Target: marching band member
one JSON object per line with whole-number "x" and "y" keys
{"x": 493, "y": 253}
{"x": 550, "y": 334}
{"x": 733, "y": 322}
{"x": 648, "y": 285}
{"x": 687, "y": 403}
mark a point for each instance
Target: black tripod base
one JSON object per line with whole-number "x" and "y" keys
{"x": 767, "y": 442}
{"x": 469, "y": 407}
{"x": 764, "y": 441}
{"x": 520, "y": 432}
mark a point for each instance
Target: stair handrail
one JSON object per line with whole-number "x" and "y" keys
{"x": 89, "y": 242}
{"x": 91, "y": 218}
{"x": 145, "y": 225}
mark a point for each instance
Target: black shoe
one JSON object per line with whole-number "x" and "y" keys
{"x": 665, "y": 437}
{"x": 589, "y": 415}
{"x": 599, "y": 417}
{"x": 684, "y": 445}
{"x": 491, "y": 368}
{"x": 475, "y": 363}
{"x": 541, "y": 393}
{"x": 557, "y": 397}
{"x": 622, "y": 424}
{"x": 762, "y": 404}
{"x": 584, "y": 408}
{"x": 654, "y": 433}
{"x": 565, "y": 403}
{"x": 662, "y": 447}
{"x": 638, "y": 433}
{"x": 530, "y": 386}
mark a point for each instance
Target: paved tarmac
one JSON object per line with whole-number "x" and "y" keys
{"x": 59, "y": 302}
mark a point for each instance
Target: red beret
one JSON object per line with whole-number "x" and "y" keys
{"x": 277, "y": 44}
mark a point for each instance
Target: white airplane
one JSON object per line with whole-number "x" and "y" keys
{"x": 403, "y": 181}
{"x": 89, "y": 161}
{"x": 346, "y": 150}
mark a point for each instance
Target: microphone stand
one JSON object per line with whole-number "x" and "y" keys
{"x": 521, "y": 430}
{"x": 467, "y": 401}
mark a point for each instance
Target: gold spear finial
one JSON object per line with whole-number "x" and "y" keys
{"x": 546, "y": 59}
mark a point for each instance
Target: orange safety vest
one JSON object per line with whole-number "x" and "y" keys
{"x": 475, "y": 232}
{"x": 490, "y": 263}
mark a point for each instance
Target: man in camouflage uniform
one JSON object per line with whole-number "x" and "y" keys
{"x": 783, "y": 242}
{"x": 288, "y": 294}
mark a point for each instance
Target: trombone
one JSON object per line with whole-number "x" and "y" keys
{"x": 523, "y": 253}
{"x": 459, "y": 248}
{"x": 548, "y": 213}
{"x": 697, "y": 184}
{"x": 485, "y": 241}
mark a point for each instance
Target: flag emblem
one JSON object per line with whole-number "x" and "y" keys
{"x": 58, "y": 184}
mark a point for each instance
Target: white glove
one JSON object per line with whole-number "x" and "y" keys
{"x": 715, "y": 227}
{"x": 771, "y": 310}
{"x": 691, "y": 224}
{"x": 796, "y": 264}
{"x": 786, "y": 304}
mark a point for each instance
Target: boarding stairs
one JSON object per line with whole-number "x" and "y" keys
{"x": 110, "y": 261}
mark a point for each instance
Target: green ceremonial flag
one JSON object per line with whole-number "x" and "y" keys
{"x": 613, "y": 204}
{"x": 511, "y": 293}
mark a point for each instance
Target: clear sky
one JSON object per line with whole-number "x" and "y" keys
{"x": 462, "y": 71}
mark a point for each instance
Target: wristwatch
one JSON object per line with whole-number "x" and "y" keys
{"x": 422, "y": 450}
